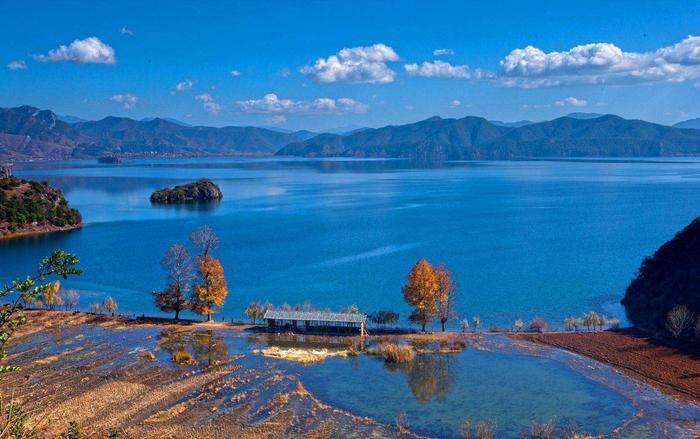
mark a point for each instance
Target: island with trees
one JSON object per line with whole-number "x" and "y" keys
{"x": 203, "y": 190}
{"x": 28, "y": 207}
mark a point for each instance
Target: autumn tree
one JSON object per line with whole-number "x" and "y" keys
{"x": 178, "y": 263}
{"x": 210, "y": 290}
{"x": 445, "y": 295}
{"x": 419, "y": 292}
{"x": 50, "y": 296}
{"x": 110, "y": 304}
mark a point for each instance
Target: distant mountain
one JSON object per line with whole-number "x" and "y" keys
{"x": 584, "y": 115}
{"x": 344, "y": 130}
{"x": 476, "y": 138}
{"x": 692, "y": 123}
{"x": 27, "y": 133}
{"x": 70, "y": 119}
{"x": 516, "y": 124}
{"x": 169, "y": 119}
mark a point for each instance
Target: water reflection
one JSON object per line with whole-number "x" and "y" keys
{"x": 428, "y": 375}
{"x": 206, "y": 346}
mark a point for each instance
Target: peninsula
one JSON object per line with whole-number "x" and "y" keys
{"x": 28, "y": 207}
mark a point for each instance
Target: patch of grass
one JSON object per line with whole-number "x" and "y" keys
{"x": 182, "y": 357}
{"x": 394, "y": 352}
{"x": 147, "y": 355}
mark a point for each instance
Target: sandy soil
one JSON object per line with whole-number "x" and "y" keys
{"x": 636, "y": 355}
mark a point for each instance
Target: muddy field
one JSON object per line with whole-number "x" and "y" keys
{"x": 632, "y": 353}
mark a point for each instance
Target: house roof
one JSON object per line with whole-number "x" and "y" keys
{"x": 315, "y": 315}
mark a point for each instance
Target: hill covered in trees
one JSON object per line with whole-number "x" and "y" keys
{"x": 33, "y": 207}
{"x": 199, "y": 191}
{"x": 668, "y": 279}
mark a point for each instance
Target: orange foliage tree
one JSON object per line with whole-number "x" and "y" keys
{"x": 445, "y": 295}
{"x": 420, "y": 291}
{"x": 210, "y": 290}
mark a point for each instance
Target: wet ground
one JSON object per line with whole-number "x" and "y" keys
{"x": 188, "y": 381}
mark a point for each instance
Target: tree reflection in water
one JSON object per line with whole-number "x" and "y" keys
{"x": 206, "y": 346}
{"x": 429, "y": 375}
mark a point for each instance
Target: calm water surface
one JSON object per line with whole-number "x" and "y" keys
{"x": 524, "y": 239}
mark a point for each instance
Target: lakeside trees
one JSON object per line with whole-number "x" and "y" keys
{"x": 420, "y": 291}
{"x": 431, "y": 291}
{"x": 210, "y": 288}
{"x": 178, "y": 262}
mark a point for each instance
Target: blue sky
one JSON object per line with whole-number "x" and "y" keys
{"x": 636, "y": 59}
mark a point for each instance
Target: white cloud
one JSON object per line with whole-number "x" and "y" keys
{"x": 208, "y": 103}
{"x": 571, "y": 102}
{"x": 126, "y": 31}
{"x": 235, "y": 73}
{"x": 284, "y": 72}
{"x": 442, "y": 69}
{"x": 271, "y": 103}
{"x": 277, "y": 119}
{"x": 88, "y": 51}
{"x": 18, "y": 64}
{"x": 128, "y": 101}
{"x": 601, "y": 63}
{"x": 181, "y": 86}
{"x": 443, "y": 52}
{"x": 355, "y": 65}
{"x": 456, "y": 103}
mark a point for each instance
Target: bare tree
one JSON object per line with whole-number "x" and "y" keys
{"x": 178, "y": 263}
{"x": 205, "y": 240}
{"x": 678, "y": 320}
{"x": 72, "y": 298}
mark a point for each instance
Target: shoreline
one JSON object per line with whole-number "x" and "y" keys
{"x": 668, "y": 369}
{"x": 673, "y": 372}
{"x": 40, "y": 231}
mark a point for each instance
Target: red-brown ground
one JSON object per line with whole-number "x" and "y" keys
{"x": 636, "y": 355}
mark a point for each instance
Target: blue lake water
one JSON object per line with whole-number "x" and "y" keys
{"x": 524, "y": 239}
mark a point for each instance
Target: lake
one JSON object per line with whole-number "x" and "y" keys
{"x": 523, "y": 238}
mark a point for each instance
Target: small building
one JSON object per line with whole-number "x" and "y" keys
{"x": 316, "y": 322}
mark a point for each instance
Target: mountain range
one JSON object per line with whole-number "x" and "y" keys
{"x": 477, "y": 138}
{"x": 28, "y": 133}
{"x": 690, "y": 123}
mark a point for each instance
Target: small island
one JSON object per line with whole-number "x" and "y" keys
{"x": 203, "y": 190}
{"x": 29, "y": 207}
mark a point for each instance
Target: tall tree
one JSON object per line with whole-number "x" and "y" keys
{"x": 205, "y": 240}
{"x": 210, "y": 290}
{"x": 419, "y": 292}
{"x": 445, "y": 295}
{"x": 178, "y": 262}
